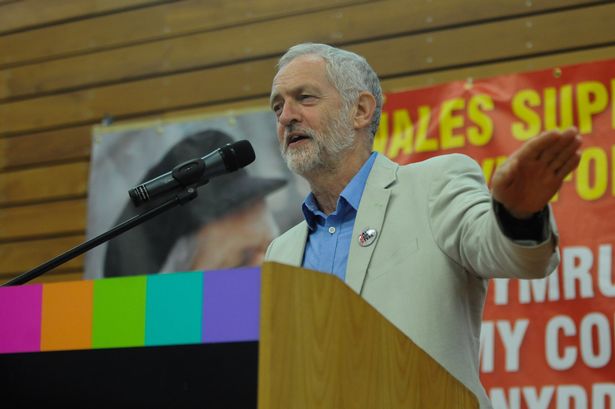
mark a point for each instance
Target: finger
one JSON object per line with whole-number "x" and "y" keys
{"x": 560, "y": 157}
{"x": 533, "y": 148}
{"x": 536, "y": 147}
{"x": 569, "y": 165}
{"x": 560, "y": 143}
{"x": 551, "y": 152}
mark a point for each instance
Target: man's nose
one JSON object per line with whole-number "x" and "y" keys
{"x": 290, "y": 113}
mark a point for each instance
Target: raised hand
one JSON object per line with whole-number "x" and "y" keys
{"x": 530, "y": 177}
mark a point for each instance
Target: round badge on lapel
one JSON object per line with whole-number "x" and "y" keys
{"x": 367, "y": 237}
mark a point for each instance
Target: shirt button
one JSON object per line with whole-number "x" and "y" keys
{"x": 331, "y": 229}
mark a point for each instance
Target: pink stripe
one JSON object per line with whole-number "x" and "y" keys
{"x": 20, "y": 318}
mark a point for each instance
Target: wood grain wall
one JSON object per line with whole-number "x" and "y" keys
{"x": 66, "y": 64}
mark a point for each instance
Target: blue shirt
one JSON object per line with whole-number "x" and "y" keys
{"x": 329, "y": 237}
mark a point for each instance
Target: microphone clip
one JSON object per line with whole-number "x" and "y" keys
{"x": 190, "y": 173}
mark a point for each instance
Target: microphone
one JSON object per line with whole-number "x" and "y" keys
{"x": 195, "y": 172}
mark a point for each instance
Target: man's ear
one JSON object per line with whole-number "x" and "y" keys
{"x": 365, "y": 108}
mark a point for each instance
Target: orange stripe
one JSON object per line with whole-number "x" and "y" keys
{"x": 67, "y": 316}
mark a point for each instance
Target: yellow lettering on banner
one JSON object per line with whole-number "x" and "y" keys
{"x": 593, "y": 166}
{"x": 403, "y": 134}
{"x": 613, "y": 103}
{"x": 565, "y": 108}
{"x": 449, "y": 122}
{"x": 500, "y": 160}
{"x": 592, "y": 98}
{"x": 423, "y": 144}
{"x": 612, "y": 171}
{"x": 382, "y": 134}
{"x": 489, "y": 165}
{"x": 481, "y": 134}
{"x": 521, "y": 106}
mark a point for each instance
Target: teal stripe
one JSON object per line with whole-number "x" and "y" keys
{"x": 119, "y": 312}
{"x": 174, "y": 309}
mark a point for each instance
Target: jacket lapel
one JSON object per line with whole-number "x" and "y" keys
{"x": 372, "y": 211}
{"x": 293, "y": 255}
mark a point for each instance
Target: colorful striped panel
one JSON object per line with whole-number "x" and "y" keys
{"x": 169, "y": 309}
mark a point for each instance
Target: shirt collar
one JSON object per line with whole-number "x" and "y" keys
{"x": 350, "y": 196}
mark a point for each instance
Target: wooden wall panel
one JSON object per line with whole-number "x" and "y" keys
{"x": 498, "y": 68}
{"x": 23, "y": 256}
{"x": 74, "y": 144}
{"x": 148, "y": 24}
{"x": 33, "y": 13}
{"x": 516, "y": 38}
{"x": 390, "y": 57}
{"x": 60, "y": 145}
{"x": 132, "y": 99}
{"x": 42, "y": 184}
{"x": 243, "y": 43}
{"x": 63, "y": 70}
{"x": 42, "y": 220}
{"x": 53, "y": 276}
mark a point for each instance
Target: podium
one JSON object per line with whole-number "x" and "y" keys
{"x": 204, "y": 343}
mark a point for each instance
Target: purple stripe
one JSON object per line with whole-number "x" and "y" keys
{"x": 20, "y": 318}
{"x": 231, "y": 305}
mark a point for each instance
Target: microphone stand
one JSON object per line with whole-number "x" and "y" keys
{"x": 184, "y": 196}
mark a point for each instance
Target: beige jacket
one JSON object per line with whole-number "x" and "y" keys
{"x": 438, "y": 242}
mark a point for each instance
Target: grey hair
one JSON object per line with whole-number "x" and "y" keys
{"x": 348, "y": 72}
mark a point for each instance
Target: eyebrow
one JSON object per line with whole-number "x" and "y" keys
{"x": 294, "y": 91}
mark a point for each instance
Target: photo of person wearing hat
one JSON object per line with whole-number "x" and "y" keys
{"x": 230, "y": 222}
{"x": 228, "y": 225}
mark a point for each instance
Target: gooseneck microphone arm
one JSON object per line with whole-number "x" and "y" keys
{"x": 181, "y": 198}
{"x": 183, "y": 181}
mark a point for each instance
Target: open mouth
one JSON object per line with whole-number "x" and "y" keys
{"x": 294, "y": 138}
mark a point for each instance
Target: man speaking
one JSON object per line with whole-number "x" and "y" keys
{"x": 418, "y": 242}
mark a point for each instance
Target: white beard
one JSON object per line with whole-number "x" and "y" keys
{"x": 322, "y": 151}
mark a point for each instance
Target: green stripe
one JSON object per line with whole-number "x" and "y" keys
{"x": 119, "y": 312}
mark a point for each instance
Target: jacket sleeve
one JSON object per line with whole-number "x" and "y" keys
{"x": 466, "y": 228}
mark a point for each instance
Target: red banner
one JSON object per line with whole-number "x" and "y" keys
{"x": 544, "y": 343}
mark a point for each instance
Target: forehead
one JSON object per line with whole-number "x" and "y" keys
{"x": 303, "y": 72}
